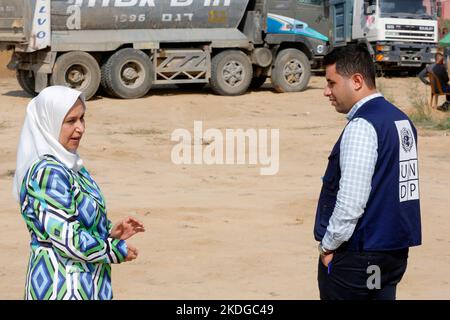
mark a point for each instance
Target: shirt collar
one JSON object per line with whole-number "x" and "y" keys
{"x": 360, "y": 103}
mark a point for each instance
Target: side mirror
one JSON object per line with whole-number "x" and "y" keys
{"x": 369, "y": 7}
{"x": 326, "y": 9}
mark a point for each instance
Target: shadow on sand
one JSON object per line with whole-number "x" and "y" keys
{"x": 166, "y": 90}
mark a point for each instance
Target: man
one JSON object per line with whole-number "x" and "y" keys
{"x": 368, "y": 213}
{"x": 440, "y": 71}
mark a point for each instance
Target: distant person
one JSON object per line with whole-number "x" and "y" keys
{"x": 440, "y": 71}
{"x": 368, "y": 214}
{"x": 72, "y": 241}
{"x": 444, "y": 32}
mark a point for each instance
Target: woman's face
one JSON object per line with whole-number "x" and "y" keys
{"x": 73, "y": 127}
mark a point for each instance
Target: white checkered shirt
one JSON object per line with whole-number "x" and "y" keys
{"x": 358, "y": 156}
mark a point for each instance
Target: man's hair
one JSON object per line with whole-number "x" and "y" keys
{"x": 351, "y": 59}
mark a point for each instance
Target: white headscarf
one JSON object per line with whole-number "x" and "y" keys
{"x": 41, "y": 130}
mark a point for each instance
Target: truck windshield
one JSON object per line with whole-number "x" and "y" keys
{"x": 406, "y": 9}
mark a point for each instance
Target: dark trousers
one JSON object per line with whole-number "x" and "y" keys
{"x": 446, "y": 89}
{"x": 362, "y": 275}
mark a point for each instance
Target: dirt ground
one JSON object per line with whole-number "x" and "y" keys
{"x": 221, "y": 231}
{"x": 4, "y": 59}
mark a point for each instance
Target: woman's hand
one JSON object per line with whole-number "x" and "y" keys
{"x": 132, "y": 253}
{"x": 126, "y": 228}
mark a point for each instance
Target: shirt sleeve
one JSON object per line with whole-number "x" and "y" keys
{"x": 50, "y": 187}
{"x": 358, "y": 157}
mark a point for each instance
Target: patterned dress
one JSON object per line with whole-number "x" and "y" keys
{"x": 71, "y": 252}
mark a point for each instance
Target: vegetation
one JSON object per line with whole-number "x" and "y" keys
{"x": 423, "y": 115}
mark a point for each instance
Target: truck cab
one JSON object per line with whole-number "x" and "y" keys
{"x": 304, "y": 19}
{"x": 403, "y": 34}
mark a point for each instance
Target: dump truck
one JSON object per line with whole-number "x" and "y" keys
{"x": 127, "y": 46}
{"x": 401, "y": 34}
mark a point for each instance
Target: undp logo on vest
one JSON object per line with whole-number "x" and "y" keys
{"x": 408, "y": 166}
{"x": 407, "y": 139}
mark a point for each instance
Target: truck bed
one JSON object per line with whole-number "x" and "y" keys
{"x": 12, "y": 21}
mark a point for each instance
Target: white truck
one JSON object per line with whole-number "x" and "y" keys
{"x": 402, "y": 34}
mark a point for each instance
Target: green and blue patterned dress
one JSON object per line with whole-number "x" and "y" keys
{"x": 71, "y": 251}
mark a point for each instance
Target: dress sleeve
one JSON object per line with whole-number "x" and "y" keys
{"x": 109, "y": 226}
{"x": 51, "y": 188}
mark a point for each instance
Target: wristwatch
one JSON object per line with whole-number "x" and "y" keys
{"x": 324, "y": 252}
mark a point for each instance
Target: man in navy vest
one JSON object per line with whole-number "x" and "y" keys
{"x": 368, "y": 213}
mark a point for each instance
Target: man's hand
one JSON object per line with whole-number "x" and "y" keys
{"x": 326, "y": 259}
{"x": 132, "y": 253}
{"x": 126, "y": 228}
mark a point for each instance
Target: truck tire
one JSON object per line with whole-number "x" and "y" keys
{"x": 291, "y": 71}
{"x": 231, "y": 73}
{"x": 127, "y": 74}
{"x": 26, "y": 81}
{"x": 78, "y": 70}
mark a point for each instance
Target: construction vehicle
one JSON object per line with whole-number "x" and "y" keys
{"x": 126, "y": 46}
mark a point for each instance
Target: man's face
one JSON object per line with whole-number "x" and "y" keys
{"x": 339, "y": 90}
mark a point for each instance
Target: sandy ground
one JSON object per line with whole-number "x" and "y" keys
{"x": 222, "y": 232}
{"x": 4, "y": 59}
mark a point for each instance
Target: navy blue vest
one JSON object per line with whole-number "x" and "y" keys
{"x": 391, "y": 219}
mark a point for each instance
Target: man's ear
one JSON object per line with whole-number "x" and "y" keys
{"x": 357, "y": 81}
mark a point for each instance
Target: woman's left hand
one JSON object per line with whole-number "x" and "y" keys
{"x": 126, "y": 228}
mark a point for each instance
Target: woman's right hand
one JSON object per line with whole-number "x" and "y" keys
{"x": 132, "y": 253}
{"x": 126, "y": 228}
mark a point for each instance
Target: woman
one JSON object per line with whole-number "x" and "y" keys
{"x": 72, "y": 241}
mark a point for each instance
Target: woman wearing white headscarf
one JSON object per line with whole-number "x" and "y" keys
{"x": 72, "y": 241}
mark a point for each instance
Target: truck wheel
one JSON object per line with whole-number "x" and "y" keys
{"x": 127, "y": 74}
{"x": 291, "y": 71}
{"x": 26, "y": 81}
{"x": 231, "y": 73}
{"x": 78, "y": 70}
